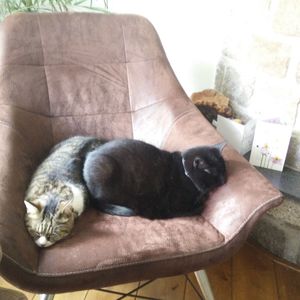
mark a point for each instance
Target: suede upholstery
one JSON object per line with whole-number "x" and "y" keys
{"x": 67, "y": 74}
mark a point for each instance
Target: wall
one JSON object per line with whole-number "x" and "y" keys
{"x": 190, "y": 32}
{"x": 247, "y": 49}
{"x": 260, "y": 65}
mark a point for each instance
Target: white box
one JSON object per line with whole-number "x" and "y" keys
{"x": 270, "y": 145}
{"x": 239, "y": 136}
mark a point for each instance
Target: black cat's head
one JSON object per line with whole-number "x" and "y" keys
{"x": 205, "y": 166}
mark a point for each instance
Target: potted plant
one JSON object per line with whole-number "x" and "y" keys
{"x": 12, "y": 6}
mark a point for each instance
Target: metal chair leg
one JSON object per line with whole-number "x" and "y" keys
{"x": 130, "y": 293}
{"x": 46, "y": 297}
{"x": 204, "y": 285}
{"x": 194, "y": 287}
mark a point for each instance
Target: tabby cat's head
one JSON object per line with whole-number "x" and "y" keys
{"x": 50, "y": 215}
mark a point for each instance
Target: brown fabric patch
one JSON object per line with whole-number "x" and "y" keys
{"x": 104, "y": 241}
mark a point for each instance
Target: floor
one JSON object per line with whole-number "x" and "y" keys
{"x": 250, "y": 274}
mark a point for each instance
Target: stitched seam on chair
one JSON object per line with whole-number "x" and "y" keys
{"x": 245, "y": 221}
{"x": 121, "y": 112}
{"x": 62, "y": 116}
{"x": 6, "y": 124}
{"x": 49, "y": 106}
{"x": 88, "y": 64}
{"x": 43, "y": 52}
{"x": 16, "y": 131}
{"x": 25, "y": 110}
{"x": 19, "y": 265}
{"x": 127, "y": 78}
{"x": 180, "y": 116}
{"x": 145, "y": 261}
{"x": 164, "y": 99}
{"x": 90, "y": 114}
{"x": 217, "y": 230}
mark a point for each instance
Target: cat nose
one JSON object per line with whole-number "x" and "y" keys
{"x": 41, "y": 241}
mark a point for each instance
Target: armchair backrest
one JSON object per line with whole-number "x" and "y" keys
{"x": 92, "y": 74}
{"x": 66, "y": 74}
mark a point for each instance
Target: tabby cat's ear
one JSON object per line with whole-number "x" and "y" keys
{"x": 31, "y": 208}
{"x": 65, "y": 204}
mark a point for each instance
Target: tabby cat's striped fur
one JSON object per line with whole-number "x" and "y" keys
{"x": 57, "y": 194}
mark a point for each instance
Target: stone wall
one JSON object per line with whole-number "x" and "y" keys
{"x": 259, "y": 69}
{"x": 278, "y": 230}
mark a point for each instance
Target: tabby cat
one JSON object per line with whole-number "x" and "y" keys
{"x": 57, "y": 193}
{"x": 129, "y": 177}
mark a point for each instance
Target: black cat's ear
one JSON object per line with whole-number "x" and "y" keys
{"x": 220, "y": 146}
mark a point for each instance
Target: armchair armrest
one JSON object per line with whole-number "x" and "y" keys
{"x": 15, "y": 241}
{"x": 247, "y": 194}
{"x": 24, "y": 141}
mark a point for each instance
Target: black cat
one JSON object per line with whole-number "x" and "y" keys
{"x": 129, "y": 177}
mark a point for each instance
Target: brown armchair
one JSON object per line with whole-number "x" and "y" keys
{"x": 107, "y": 76}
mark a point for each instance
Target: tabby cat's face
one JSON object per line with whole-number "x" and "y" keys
{"x": 50, "y": 217}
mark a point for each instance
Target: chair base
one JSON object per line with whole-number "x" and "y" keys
{"x": 46, "y": 297}
{"x": 200, "y": 275}
{"x": 204, "y": 285}
{"x": 130, "y": 293}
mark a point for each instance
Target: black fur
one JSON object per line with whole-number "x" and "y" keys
{"x": 130, "y": 177}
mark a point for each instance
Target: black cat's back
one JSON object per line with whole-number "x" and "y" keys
{"x": 132, "y": 166}
{"x": 131, "y": 177}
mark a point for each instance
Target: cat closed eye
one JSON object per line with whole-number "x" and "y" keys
{"x": 208, "y": 171}
{"x": 63, "y": 217}
{"x": 198, "y": 163}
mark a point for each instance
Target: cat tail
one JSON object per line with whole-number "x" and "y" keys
{"x": 117, "y": 210}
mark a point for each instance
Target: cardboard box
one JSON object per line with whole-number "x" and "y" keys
{"x": 239, "y": 136}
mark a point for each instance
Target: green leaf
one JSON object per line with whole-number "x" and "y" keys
{"x": 10, "y": 6}
{"x": 99, "y": 9}
{"x": 78, "y": 2}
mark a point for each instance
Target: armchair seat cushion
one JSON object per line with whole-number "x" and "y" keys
{"x": 102, "y": 242}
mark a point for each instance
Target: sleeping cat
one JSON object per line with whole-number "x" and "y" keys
{"x": 57, "y": 193}
{"x": 129, "y": 177}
